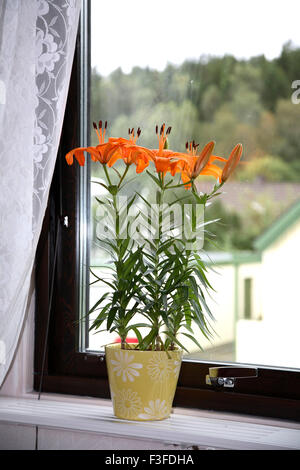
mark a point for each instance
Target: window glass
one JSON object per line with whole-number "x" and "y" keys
{"x": 229, "y": 72}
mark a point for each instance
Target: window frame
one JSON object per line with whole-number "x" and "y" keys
{"x": 274, "y": 393}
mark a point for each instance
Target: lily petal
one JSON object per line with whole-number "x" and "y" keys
{"x": 212, "y": 170}
{"x": 78, "y": 153}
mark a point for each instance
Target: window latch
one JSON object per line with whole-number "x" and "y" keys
{"x": 227, "y": 376}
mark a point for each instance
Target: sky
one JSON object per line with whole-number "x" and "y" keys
{"x": 156, "y": 32}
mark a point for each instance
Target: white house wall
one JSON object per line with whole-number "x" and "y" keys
{"x": 281, "y": 279}
{"x": 275, "y": 339}
{"x": 221, "y": 303}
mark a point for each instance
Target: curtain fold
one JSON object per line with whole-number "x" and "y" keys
{"x": 37, "y": 43}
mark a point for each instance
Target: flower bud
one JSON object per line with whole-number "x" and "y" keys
{"x": 232, "y": 162}
{"x": 203, "y": 159}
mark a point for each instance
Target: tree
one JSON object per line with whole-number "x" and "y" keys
{"x": 287, "y": 141}
{"x": 268, "y": 168}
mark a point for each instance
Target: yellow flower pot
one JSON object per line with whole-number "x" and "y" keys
{"x": 142, "y": 383}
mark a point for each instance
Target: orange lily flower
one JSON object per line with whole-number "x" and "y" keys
{"x": 102, "y": 152}
{"x": 232, "y": 162}
{"x": 191, "y": 165}
{"x": 195, "y": 163}
{"x": 162, "y": 157}
{"x": 130, "y": 152}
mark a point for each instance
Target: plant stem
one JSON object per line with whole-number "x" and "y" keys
{"x": 107, "y": 175}
{"x": 160, "y": 196}
{"x": 181, "y": 185}
{"x": 118, "y": 252}
{"x": 123, "y": 176}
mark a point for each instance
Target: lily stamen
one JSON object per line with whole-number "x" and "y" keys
{"x": 133, "y": 138}
{"x": 97, "y": 132}
{"x": 104, "y": 130}
{"x": 100, "y": 132}
{"x": 162, "y": 137}
{"x": 192, "y": 148}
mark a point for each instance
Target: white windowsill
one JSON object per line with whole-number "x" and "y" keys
{"x": 185, "y": 428}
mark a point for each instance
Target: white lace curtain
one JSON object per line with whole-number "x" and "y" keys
{"x": 37, "y": 43}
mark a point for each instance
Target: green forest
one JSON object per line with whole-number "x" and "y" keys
{"x": 215, "y": 98}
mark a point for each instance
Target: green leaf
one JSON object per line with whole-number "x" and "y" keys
{"x": 100, "y": 318}
{"x": 137, "y": 333}
{"x": 104, "y": 296}
{"x": 148, "y": 340}
{"x": 155, "y": 179}
{"x": 175, "y": 340}
{"x": 193, "y": 339}
{"x": 111, "y": 318}
{"x": 101, "y": 184}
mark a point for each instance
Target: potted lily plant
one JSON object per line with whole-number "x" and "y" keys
{"x": 158, "y": 283}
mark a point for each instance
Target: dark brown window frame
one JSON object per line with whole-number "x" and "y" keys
{"x": 274, "y": 393}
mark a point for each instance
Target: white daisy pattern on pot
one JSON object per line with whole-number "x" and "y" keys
{"x": 155, "y": 410}
{"x": 127, "y": 404}
{"x": 124, "y": 367}
{"x": 159, "y": 367}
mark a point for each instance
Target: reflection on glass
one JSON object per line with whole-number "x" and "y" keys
{"x": 217, "y": 80}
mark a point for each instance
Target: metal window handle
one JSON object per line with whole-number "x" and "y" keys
{"x": 227, "y": 376}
